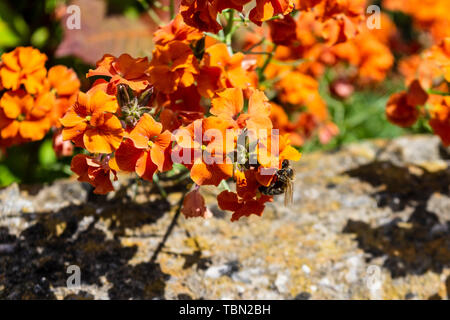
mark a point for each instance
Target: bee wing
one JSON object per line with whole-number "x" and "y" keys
{"x": 289, "y": 193}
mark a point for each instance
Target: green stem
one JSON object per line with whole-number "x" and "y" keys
{"x": 266, "y": 63}
{"x": 229, "y": 30}
{"x": 159, "y": 186}
{"x": 172, "y": 9}
{"x": 431, "y": 91}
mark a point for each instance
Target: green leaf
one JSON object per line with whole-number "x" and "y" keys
{"x": 6, "y": 176}
{"x": 7, "y": 36}
{"x": 15, "y": 22}
{"x": 40, "y": 37}
{"x": 47, "y": 155}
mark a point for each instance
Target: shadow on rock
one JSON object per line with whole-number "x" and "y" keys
{"x": 401, "y": 186}
{"x": 37, "y": 260}
{"x": 413, "y": 247}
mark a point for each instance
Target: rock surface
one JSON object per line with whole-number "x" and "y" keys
{"x": 369, "y": 221}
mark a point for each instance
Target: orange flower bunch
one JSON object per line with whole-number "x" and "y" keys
{"x": 302, "y": 46}
{"x": 430, "y": 16}
{"x": 426, "y": 74}
{"x": 202, "y": 14}
{"x": 33, "y": 98}
{"x": 149, "y": 115}
{"x": 200, "y": 103}
{"x": 427, "y": 79}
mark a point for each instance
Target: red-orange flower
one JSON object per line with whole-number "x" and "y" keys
{"x": 201, "y": 14}
{"x": 283, "y": 31}
{"x": 201, "y": 148}
{"x": 146, "y": 150}
{"x": 176, "y": 30}
{"x": 173, "y": 65}
{"x": 240, "y": 207}
{"x": 91, "y": 123}
{"x": 266, "y": 9}
{"x": 440, "y": 119}
{"x": 23, "y": 66}
{"x": 93, "y": 171}
{"x": 194, "y": 205}
{"x": 124, "y": 69}
{"x": 25, "y": 117}
{"x": 402, "y": 108}
{"x": 400, "y": 112}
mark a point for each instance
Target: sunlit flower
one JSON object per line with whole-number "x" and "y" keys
{"x": 91, "y": 123}
{"x": 23, "y": 66}
{"x": 123, "y": 69}
{"x": 146, "y": 150}
{"x": 94, "y": 171}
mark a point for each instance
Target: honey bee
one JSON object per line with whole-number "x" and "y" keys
{"x": 284, "y": 183}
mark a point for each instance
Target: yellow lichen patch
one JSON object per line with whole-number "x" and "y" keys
{"x": 434, "y": 166}
{"x": 59, "y": 228}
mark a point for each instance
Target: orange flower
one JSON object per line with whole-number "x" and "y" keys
{"x": 428, "y": 15}
{"x": 201, "y": 148}
{"x": 173, "y": 65}
{"x": 342, "y": 19}
{"x": 229, "y": 105}
{"x": 25, "y": 117}
{"x": 146, "y": 150}
{"x": 280, "y": 121}
{"x": 266, "y": 9}
{"x": 297, "y": 88}
{"x": 66, "y": 85}
{"x": 241, "y": 207}
{"x": 176, "y": 30}
{"x": 440, "y": 119}
{"x": 209, "y": 80}
{"x": 63, "y": 81}
{"x": 440, "y": 54}
{"x": 24, "y": 65}
{"x": 271, "y": 160}
{"x": 233, "y": 74}
{"x": 91, "y": 123}
{"x": 423, "y": 70}
{"x": 123, "y": 69}
{"x": 372, "y": 57}
{"x": 93, "y": 171}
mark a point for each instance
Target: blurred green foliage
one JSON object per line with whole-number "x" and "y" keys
{"x": 33, "y": 162}
{"x": 362, "y": 116}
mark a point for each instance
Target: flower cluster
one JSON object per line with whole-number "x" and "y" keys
{"x": 426, "y": 73}
{"x": 230, "y": 88}
{"x": 202, "y": 99}
{"x": 33, "y": 98}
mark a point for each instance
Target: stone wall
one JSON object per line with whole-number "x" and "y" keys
{"x": 369, "y": 221}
